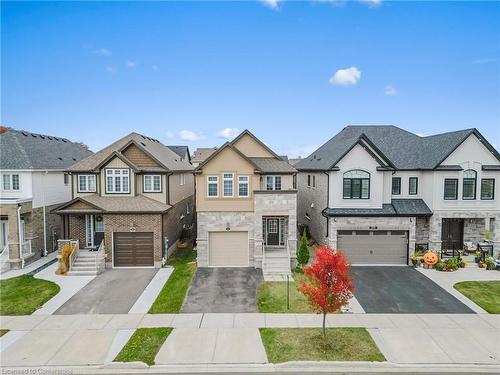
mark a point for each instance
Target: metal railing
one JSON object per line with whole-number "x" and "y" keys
{"x": 485, "y": 249}
{"x": 26, "y": 248}
{"x": 75, "y": 244}
{"x": 455, "y": 251}
{"x": 288, "y": 253}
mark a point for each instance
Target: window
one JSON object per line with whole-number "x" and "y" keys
{"x": 117, "y": 181}
{"x": 294, "y": 181}
{"x": 66, "y": 179}
{"x": 356, "y": 185}
{"x": 273, "y": 226}
{"x": 309, "y": 180}
{"x": 273, "y": 182}
{"x": 10, "y": 182}
{"x": 99, "y": 224}
{"x": 86, "y": 183}
{"x": 243, "y": 186}
{"x": 227, "y": 184}
{"x": 469, "y": 185}
{"x": 488, "y": 189}
{"x": 213, "y": 186}
{"x": 182, "y": 178}
{"x": 450, "y": 188}
{"x": 396, "y": 185}
{"x": 314, "y": 181}
{"x": 152, "y": 183}
{"x": 413, "y": 186}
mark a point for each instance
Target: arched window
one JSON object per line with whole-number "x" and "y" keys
{"x": 469, "y": 184}
{"x": 356, "y": 184}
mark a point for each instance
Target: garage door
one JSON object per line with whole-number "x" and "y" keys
{"x": 133, "y": 249}
{"x": 228, "y": 249}
{"x": 373, "y": 247}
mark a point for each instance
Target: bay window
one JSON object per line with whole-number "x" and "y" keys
{"x": 117, "y": 181}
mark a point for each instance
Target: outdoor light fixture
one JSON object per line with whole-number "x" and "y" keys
{"x": 228, "y": 227}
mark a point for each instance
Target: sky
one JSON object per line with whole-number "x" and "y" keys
{"x": 293, "y": 73}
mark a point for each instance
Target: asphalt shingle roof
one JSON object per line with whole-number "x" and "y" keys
{"x": 182, "y": 151}
{"x": 397, "y": 207}
{"x": 21, "y": 149}
{"x": 272, "y": 165}
{"x": 200, "y": 154}
{"x": 139, "y": 203}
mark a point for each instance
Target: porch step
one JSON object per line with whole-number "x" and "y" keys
{"x": 82, "y": 273}
{"x": 85, "y": 264}
{"x": 276, "y": 265}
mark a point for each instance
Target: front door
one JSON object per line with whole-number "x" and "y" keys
{"x": 452, "y": 234}
{"x": 89, "y": 230}
{"x": 273, "y": 236}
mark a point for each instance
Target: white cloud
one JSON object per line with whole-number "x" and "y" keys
{"x": 346, "y": 77}
{"x": 390, "y": 90}
{"x": 228, "y": 133}
{"x": 169, "y": 135}
{"x": 111, "y": 69}
{"x": 103, "y": 52}
{"x": 273, "y": 4}
{"x": 190, "y": 136}
{"x": 131, "y": 64}
{"x": 420, "y": 134}
{"x": 372, "y": 3}
{"x": 154, "y": 67}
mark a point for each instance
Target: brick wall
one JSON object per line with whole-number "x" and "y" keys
{"x": 176, "y": 219}
{"x": 77, "y": 229}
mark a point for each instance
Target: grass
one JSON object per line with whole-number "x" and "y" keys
{"x": 172, "y": 295}
{"x": 271, "y": 297}
{"x": 3, "y": 332}
{"x": 24, "y": 294}
{"x": 308, "y": 344}
{"x": 484, "y": 293}
{"x": 144, "y": 345}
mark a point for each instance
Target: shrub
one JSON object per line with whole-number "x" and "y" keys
{"x": 303, "y": 252}
{"x": 439, "y": 266}
{"x": 490, "y": 263}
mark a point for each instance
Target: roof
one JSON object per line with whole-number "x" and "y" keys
{"x": 294, "y": 161}
{"x": 402, "y": 149}
{"x": 167, "y": 158}
{"x": 182, "y": 151}
{"x": 397, "y": 207}
{"x": 20, "y": 149}
{"x": 108, "y": 204}
{"x": 271, "y": 165}
{"x": 200, "y": 154}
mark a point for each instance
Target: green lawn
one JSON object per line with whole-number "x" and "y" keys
{"x": 24, "y": 294}
{"x": 271, "y": 297}
{"x": 172, "y": 295}
{"x": 484, "y": 293}
{"x": 3, "y": 332}
{"x": 308, "y": 344}
{"x": 144, "y": 345}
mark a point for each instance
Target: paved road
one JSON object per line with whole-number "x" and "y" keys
{"x": 112, "y": 292}
{"x": 402, "y": 290}
{"x": 223, "y": 290}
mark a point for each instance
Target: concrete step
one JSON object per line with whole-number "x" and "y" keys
{"x": 83, "y": 268}
{"x": 82, "y": 273}
{"x": 85, "y": 260}
{"x": 86, "y": 255}
{"x": 276, "y": 255}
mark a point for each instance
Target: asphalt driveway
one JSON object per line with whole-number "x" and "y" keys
{"x": 402, "y": 290}
{"x": 223, "y": 290}
{"x": 113, "y": 292}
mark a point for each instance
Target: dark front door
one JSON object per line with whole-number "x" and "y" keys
{"x": 133, "y": 249}
{"x": 273, "y": 237}
{"x": 452, "y": 234}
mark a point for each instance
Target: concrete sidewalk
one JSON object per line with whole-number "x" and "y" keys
{"x": 30, "y": 267}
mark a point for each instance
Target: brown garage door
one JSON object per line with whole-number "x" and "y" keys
{"x": 133, "y": 249}
{"x": 373, "y": 247}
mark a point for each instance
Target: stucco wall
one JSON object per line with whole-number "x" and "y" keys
{"x": 249, "y": 147}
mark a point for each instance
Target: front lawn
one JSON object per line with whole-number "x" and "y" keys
{"x": 271, "y": 297}
{"x": 144, "y": 345}
{"x": 24, "y": 294}
{"x": 308, "y": 344}
{"x": 484, "y": 293}
{"x": 172, "y": 295}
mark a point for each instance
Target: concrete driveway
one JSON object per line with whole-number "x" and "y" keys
{"x": 114, "y": 291}
{"x": 402, "y": 290}
{"x": 223, "y": 290}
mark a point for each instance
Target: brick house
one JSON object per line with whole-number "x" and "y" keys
{"x": 134, "y": 199}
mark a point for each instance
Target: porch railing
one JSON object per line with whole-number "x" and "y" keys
{"x": 454, "y": 252}
{"x": 75, "y": 244}
{"x": 26, "y": 248}
{"x": 485, "y": 249}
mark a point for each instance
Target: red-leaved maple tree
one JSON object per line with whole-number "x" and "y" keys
{"x": 328, "y": 284}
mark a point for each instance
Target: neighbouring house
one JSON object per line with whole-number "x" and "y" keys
{"x": 133, "y": 200}
{"x": 33, "y": 182}
{"x": 182, "y": 151}
{"x": 378, "y": 192}
{"x": 200, "y": 154}
{"x": 246, "y": 203}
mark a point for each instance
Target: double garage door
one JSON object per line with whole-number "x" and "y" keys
{"x": 133, "y": 249}
{"x": 228, "y": 249}
{"x": 374, "y": 247}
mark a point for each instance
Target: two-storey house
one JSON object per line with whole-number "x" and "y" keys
{"x": 246, "y": 204}
{"x": 375, "y": 192}
{"x": 32, "y": 182}
{"x": 134, "y": 198}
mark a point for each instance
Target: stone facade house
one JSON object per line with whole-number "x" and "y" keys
{"x": 132, "y": 200}
{"x": 246, "y": 204}
{"x": 378, "y": 192}
{"x": 33, "y": 181}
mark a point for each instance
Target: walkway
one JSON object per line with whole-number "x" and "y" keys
{"x": 30, "y": 267}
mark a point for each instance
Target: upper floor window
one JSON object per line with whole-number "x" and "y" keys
{"x": 152, "y": 183}
{"x": 182, "y": 179}
{"x": 469, "y": 184}
{"x": 488, "y": 189}
{"x": 213, "y": 186}
{"x": 314, "y": 181}
{"x": 66, "y": 179}
{"x": 227, "y": 184}
{"x": 309, "y": 180}
{"x": 86, "y": 183}
{"x": 450, "y": 188}
{"x": 273, "y": 182}
{"x": 413, "y": 186}
{"x": 396, "y": 185}
{"x": 356, "y": 185}
{"x": 243, "y": 186}
{"x": 10, "y": 182}
{"x": 117, "y": 181}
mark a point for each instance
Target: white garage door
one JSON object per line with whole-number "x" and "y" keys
{"x": 228, "y": 249}
{"x": 373, "y": 247}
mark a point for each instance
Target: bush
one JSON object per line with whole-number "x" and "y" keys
{"x": 490, "y": 263}
{"x": 303, "y": 253}
{"x": 439, "y": 266}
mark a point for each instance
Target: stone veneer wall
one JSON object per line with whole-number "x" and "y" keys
{"x": 422, "y": 230}
{"x": 474, "y": 230}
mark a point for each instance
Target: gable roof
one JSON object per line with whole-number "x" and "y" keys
{"x": 201, "y": 153}
{"x": 167, "y": 158}
{"x": 182, "y": 151}
{"x": 20, "y": 149}
{"x": 404, "y": 150}
{"x": 250, "y": 134}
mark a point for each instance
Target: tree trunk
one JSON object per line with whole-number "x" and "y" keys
{"x": 324, "y": 327}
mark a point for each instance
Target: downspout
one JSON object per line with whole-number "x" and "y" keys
{"x": 19, "y": 234}
{"x": 44, "y": 220}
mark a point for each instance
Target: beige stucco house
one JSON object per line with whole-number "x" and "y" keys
{"x": 246, "y": 203}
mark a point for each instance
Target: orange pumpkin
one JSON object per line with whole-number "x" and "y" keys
{"x": 430, "y": 258}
